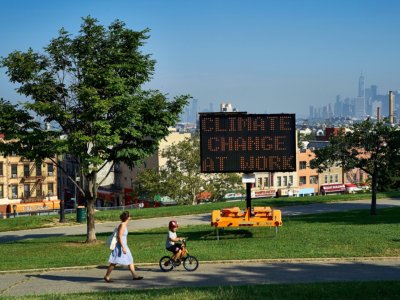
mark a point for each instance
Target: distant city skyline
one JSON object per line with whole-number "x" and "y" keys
{"x": 262, "y": 56}
{"x": 367, "y": 104}
{"x": 364, "y": 105}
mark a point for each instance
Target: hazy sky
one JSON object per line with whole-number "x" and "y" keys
{"x": 267, "y": 56}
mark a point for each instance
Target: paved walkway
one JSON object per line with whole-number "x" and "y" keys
{"x": 89, "y": 279}
{"x": 208, "y": 274}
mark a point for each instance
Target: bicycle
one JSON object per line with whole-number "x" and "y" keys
{"x": 190, "y": 263}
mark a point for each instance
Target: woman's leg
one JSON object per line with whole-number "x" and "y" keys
{"x": 132, "y": 269}
{"x": 108, "y": 273}
{"x": 134, "y": 275}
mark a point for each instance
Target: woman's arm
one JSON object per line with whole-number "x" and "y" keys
{"x": 120, "y": 233}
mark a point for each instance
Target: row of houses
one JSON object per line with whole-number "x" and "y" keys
{"x": 307, "y": 181}
{"x": 26, "y": 181}
{"x": 304, "y": 181}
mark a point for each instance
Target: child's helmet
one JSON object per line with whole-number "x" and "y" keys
{"x": 173, "y": 224}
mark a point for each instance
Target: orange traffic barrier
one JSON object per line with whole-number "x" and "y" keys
{"x": 234, "y": 217}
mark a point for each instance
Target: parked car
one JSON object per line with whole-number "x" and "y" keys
{"x": 352, "y": 188}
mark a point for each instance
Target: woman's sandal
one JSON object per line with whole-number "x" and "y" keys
{"x": 107, "y": 279}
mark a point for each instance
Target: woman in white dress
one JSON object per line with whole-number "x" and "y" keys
{"x": 122, "y": 254}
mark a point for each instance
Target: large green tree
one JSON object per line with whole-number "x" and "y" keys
{"x": 181, "y": 179}
{"x": 373, "y": 147}
{"x": 89, "y": 88}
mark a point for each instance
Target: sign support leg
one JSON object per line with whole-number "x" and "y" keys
{"x": 248, "y": 198}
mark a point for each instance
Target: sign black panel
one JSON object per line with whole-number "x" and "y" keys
{"x": 246, "y": 143}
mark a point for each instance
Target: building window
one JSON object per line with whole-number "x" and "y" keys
{"x": 266, "y": 182}
{"x": 336, "y": 178}
{"x": 278, "y": 181}
{"x": 14, "y": 191}
{"x": 259, "y": 182}
{"x": 284, "y": 181}
{"x": 326, "y": 178}
{"x": 1, "y": 168}
{"x": 50, "y": 169}
{"x": 313, "y": 179}
{"x": 39, "y": 169}
{"x": 50, "y": 189}
{"x": 26, "y": 170}
{"x": 27, "y": 190}
{"x": 1, "y": 191}
{"x": 291, "y": 180}
{"x": 303, "y": 165}
{"x": 39, "y": 190}
{"x": 14, "y": 173}
{"x": 331, "y": 178}
{"x": 302, "y": 180}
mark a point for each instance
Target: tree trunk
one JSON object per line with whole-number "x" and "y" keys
{"x": 194, "y": 202}
{"x": 62, "y": 212}
{"x": 373, "y": 187}
{"x": 91, "y": 230}
{"x": 92, "y": 187}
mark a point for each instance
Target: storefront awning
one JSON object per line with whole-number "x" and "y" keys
{"x": 105, "y": 195}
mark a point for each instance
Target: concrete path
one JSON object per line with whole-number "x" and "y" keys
{"x": 64, "y": 281}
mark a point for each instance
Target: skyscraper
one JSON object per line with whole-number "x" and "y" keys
{"x": 338, "y": 107}
{"x": 194, "y": 111}
{"x": 311, "y": 112}
{"x": 359, "y": 107}
{"x": 361, "y": 86}
{"x": 374, "y": 91}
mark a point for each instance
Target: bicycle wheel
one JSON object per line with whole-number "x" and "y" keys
{"x": 166, "y": 264}
{"x": 190, "y": 263}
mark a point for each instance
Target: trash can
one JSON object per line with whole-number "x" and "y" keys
{"x": 81, "y": 214}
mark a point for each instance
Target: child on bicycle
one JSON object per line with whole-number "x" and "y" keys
{"x": 172, "y": 244}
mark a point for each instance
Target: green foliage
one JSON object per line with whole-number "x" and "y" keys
{"x": 305, "y": 137}
{"x": 221, "y": 184}
{"x": 88, "y": 88}
{"x": 181, "y": 179}
{"x": 373, "y": 147}
{"x": 369, "y": 146}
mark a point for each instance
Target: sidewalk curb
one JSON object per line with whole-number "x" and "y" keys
{"x": 244, "y": 261}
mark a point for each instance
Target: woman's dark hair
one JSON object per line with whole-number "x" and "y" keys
{"x": 124, "y": 216}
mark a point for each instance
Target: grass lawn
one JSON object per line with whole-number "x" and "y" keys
{"x": 328, "y": 291}
{"x": 340, "y": 234}
{"x": 31, "y": 222}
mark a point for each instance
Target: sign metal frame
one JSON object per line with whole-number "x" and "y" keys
{"x": 246, "y": 143}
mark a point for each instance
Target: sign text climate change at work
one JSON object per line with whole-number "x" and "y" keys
{"x": 243, "y": 142}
